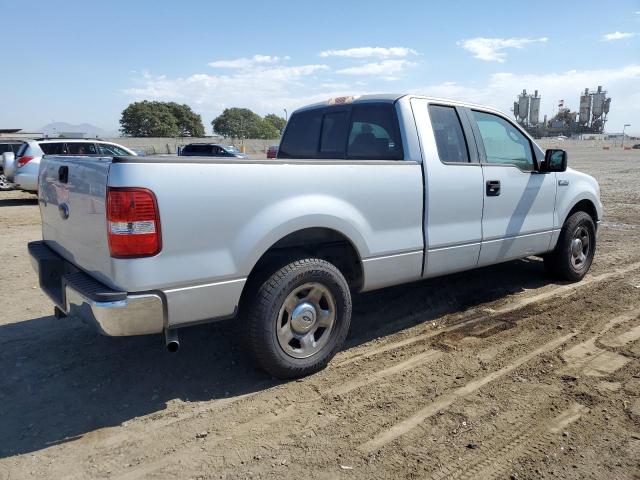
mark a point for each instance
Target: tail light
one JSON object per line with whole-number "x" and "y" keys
{"x": 133, "y": 222}
{"x": 22, "y": 161}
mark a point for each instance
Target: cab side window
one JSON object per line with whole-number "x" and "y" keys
{"x": 503, "y": 143}
{"x": 447, "y": 129}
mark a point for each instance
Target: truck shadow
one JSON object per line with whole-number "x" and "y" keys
{"x": 61, "y": 381}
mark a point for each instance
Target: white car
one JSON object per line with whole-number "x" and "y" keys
{"x": 10, "y": 147}
{"x": 22, "y": 168}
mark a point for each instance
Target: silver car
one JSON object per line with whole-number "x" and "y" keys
{"x": 10, "y": 147}
{"x": 23, "y": 168}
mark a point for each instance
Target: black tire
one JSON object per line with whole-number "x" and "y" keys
{"x": 265, "y": 311}
{"x": 561, "y": 262}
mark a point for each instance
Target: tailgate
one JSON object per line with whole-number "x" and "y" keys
{"x": 72, "y": 195}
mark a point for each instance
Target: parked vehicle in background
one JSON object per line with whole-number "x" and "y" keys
{"x": 23, "y": 169}
{"x": 365, "y": 193}
{"x": 210, "y": 150}
{"x": 272, "y": 151}
{"x": 11, "y": 147}
{"x": 636, "y": 146}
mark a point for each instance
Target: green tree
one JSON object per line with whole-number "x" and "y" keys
{"x": 276, "y": 121}
{"x": 189, "y": 123}
{"x": 265, "y": 130}
{"x": 237, "y": 123}
{"x": 160, "y": 119}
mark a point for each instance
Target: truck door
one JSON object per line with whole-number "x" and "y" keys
{"x": 453, "y": 188}
{"x": 517, "y": 219}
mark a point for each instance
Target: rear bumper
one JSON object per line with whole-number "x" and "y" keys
{"x": 26, "y": 181}
{"x": 113, "y": 313}
{"x": 26, "y": 176}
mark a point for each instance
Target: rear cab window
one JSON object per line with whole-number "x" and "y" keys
{"x": 367, "y": 131}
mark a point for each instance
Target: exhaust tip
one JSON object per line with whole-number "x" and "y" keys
{"x": 171, "y": 340}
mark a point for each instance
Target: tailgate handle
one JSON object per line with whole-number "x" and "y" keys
{"x": 63, "y": 174}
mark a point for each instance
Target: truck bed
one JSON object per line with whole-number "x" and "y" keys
{"x": 219, "y": 216}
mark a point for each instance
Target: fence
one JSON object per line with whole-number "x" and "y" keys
{"x": 156, "y": 146}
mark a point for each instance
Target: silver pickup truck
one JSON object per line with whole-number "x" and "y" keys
{"x": 365, "y": 193}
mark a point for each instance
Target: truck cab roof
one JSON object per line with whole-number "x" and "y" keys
{"x": 389, "y": 98}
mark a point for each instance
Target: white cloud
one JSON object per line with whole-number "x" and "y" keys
{"x": 246, "y": 62}
{"x": 335, "y": 85}
{"x": 263, "y": 88}
{"x": 491, "y": 49}
{"x": 386, "y": 68}
{"x": 364, "y": 52}
{"x": 502, "y": 88}
{"x": 618, "y": 36}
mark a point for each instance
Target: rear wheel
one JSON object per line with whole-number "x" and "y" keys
{"x": 299, "y": 318}
{"x": 576, "y": 247}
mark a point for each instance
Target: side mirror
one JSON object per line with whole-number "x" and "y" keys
{"x": 555, "y": 160}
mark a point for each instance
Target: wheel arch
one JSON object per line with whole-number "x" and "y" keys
{"x": 583, "y": 205}
{"x": 320, "y": 242}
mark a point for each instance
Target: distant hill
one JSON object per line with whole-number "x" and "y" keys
{"x": 54, "y": 129}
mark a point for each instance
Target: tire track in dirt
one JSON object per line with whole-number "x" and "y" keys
{"x": 509, "y": 444}
{"x": 598, "y": 362}
{"x": 480, "y": 315}
{"x": 472, "y": 318}
{"x": 532, "y": 434}
{"x": 408, "y": 424}
{"x": 623, "y": 339}
{"x": 289, "y": 411}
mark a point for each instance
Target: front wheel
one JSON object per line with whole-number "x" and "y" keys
{"x": 298, "y": 318}
{"x": 576, "y": 247}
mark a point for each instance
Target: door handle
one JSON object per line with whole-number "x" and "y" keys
{"x": 493, "y": 188}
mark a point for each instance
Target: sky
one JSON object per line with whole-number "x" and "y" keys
{"x": 82, "y": 61}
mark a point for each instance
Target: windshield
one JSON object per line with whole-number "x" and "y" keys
{"x": 231, "y": 149}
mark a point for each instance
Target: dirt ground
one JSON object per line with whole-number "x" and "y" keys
{"x": 497, "y": 373}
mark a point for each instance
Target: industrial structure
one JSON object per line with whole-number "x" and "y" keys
{"x": 590, "y": 119}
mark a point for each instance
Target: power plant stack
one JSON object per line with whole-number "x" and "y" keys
{"x": 591, "y": 117}
{"x": 534, "y": 109}
{"x": 527, "y": 109}
{"x": 599, "y": 109}
{"x": 585, "y": 108}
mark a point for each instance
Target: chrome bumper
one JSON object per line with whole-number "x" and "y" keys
{"x": 135, "y": 315}
{"x": 113, "y": 313}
